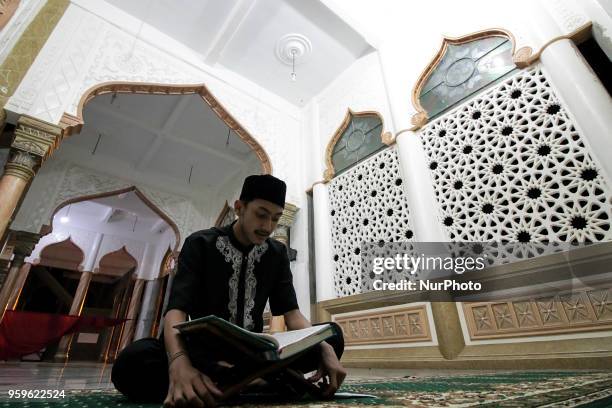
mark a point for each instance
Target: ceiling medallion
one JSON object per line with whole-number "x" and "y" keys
{"x": 292, "y": 47}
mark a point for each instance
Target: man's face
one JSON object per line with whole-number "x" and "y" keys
{"x": 258, "y": 219}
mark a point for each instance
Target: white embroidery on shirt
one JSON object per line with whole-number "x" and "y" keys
{"x": 234, "y": 256}
{"x": 251, "y": 283}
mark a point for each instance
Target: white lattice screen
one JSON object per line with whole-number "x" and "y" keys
{"x": 510, "y": 165}
{"x": 368, "y": 204}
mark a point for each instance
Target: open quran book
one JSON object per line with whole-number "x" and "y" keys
{"x": 277, "y": 346}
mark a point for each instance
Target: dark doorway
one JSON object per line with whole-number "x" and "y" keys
{"x": 598, "y": 60}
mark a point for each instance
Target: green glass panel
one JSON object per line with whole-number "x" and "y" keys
{"x": 360, "y": 139}
{"x": 464, "y": 70}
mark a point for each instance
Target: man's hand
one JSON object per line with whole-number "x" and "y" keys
{"x": 189, "y": 387}
{"x": 330, "y": 367}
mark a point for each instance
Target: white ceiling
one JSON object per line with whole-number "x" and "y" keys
{"x": 242, "y": 36}
{"x": 125, "y": 212}
{"x": 172, "y": 142}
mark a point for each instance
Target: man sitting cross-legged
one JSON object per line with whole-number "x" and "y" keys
{"x": 229, "y": 272}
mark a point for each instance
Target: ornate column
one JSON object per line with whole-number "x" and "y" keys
{"x": 6, "y": 253}
{"x": 34, "y": 141}
{"x": 323, "y": 244}
{"x": 419, "y": 185}
{"x": 132, "y": 313}
{"x": 282, "y": 233}
{"x": 63, "y": 350}
{"x": 23, "y": 244}
{"x": 148, "y": 309}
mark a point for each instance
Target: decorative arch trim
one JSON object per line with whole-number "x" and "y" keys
{"x": 73, "y": 124}
{"x": 49, "y": 228}
{"x": 386, "y": 137}
{"x": 71, "y": 256}
{"x": 124, "y": 263}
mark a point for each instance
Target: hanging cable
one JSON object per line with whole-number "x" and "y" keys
{"x": 93, "y": 152}
{"x": 228, "y": 136}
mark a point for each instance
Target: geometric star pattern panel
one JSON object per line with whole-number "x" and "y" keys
{"x": 510, "y": 166}
{"x": 368, "y": 204}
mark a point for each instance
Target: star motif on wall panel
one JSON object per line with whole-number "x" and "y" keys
{"x": 368, "y": 205}
{"x": 354, "y": 330}
{"x": 402, "y": 327}
{"x": 511, "y": 165}
{"x": 365, "y": 330}
{"x": 376, "y": 332}
{"x": 415, "y": 324}
{"x": 575, "y": 309}
{"x": 524, "y": 314}
{"x": 602, "y": 304}
{"x": 388, "y": 326}
{"x": 503, "y": 318}
{"x": 482, "y": 318}
{"x": 548, "y": 311}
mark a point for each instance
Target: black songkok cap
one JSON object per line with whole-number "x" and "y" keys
{"x": 266, "y": 187}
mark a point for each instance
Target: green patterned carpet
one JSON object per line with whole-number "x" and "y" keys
{"x": 529, "y": 389}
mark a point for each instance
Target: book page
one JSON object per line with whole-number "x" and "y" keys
{"x": 290, "y": 337}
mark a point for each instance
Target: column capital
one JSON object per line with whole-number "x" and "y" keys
{"x": 288, "y": 217}
{"x": 34, "y": 141}
{"x": 21, "y": 164}
{"x": 23, "y": 242}
{"x": 281, "y": 233}
{"x": 36, "y": 137}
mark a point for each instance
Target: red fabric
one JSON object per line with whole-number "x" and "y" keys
{"x": 23, "y": 333}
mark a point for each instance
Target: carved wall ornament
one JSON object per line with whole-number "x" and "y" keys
{"x": 525, "y": 56}
{"x": 288, "y": 217}
{"x": 73, "y": 124}
{"x": 405, "y": 325}
{"x": 36, "y": 137}
{"x": 385, "y": 137}
{"x": 565, "y": 312}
